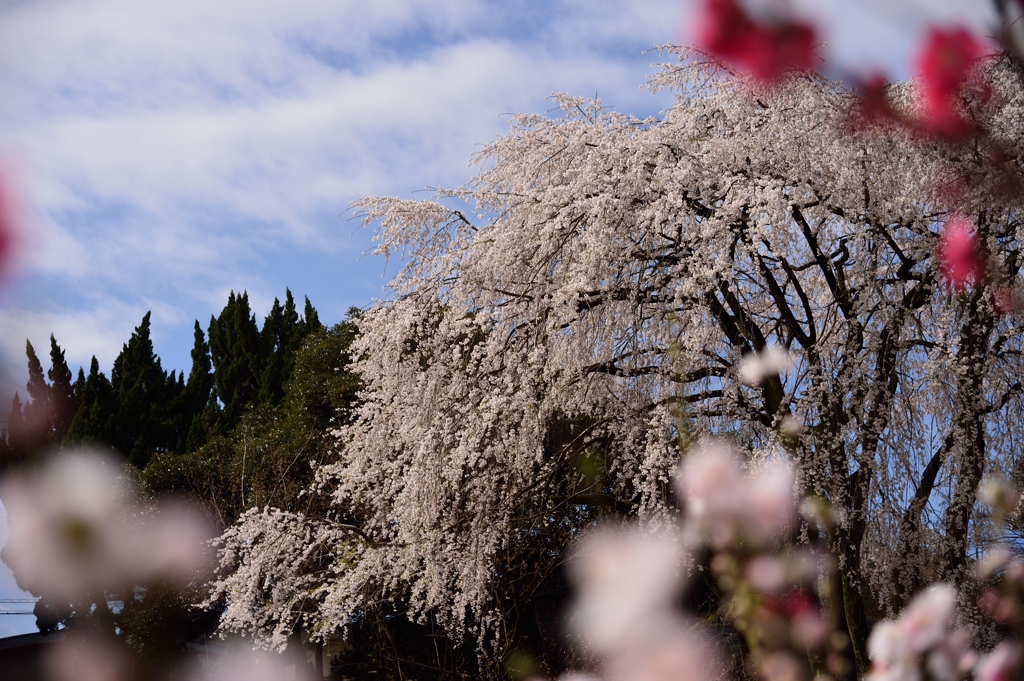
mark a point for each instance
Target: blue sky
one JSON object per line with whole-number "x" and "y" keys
{"x": 173, "y": 151}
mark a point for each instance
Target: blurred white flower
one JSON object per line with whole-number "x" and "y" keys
{"x": 723, "y": 503}
{"x": 176, "y": 541}
{"x": 67, "y": 526}
{"x": 927, "y": 619}
{"x": 766, "y": 574}
{"x": 953, "y": 658}
{"x": 757, "y": 366}
{"x": 242, "y": 663}
{"x": 772, "y": 505}
{"x": 781, "y": 666}
{"x": 78, "y": 531}
{"x": 810, "y": 629}
{"x": 922, "y": 632}
{"x": 676, "y": 651}
{"x": 626, "y": 581}
{"x": 992, "y": 562}
{"x": 791, "y": 425}
{"x": 1000, "y": 664}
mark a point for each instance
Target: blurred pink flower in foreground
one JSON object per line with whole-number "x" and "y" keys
{"x": 625, "y": 579}
{"x": 12, "y": 220}
{"x": 767, "y": 50}
{"x": 724, "y": 505}
{"x": 959, "y": 254}
{"x": 77, "y": 531}
{"x": 922, "y": 635}
{"x": 627, "y": 582}
{"x": 946, "y": 64}
{"x": 67, "y": 527}
{"x": 86, "y": 657}
{"x": 242, "y": 663}
{"x": 1000, "y": 664}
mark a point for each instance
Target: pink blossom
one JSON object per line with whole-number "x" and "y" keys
{"x": 1000, "y": 664}
{"x": 766, "y": 50}
{"x": 782, "y": 666}
{"x": 77, "y": 528}
{"x": 766, "y": 573}
{"x": 873, "y": 107}
{"x": 886, "y": 647}
{"x": 242, "y": 663}
{"x": 952, "y": 658}
{"x": 772, "y": 507}
{"x": 85, "y": 657}
{"x": 10, "y": 220}
{"x": 927, "y": 619}
{"x": 810, "y": 629}
{"x": 676, "y": 651}
{"x": 176, "y": 539}
{"x": 959, "y": 254}
{"x": 896, "y": 647}
{"x": 946, "y": 63}
{"x": 1004, "y": 301}
{"x": 626, "y": 581}
{"x": 66, "y": 527}
{"x": 723, "y": 504}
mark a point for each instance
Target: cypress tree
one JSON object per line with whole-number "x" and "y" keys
{"x": 62, "y": 397}
{"x": 191, "y": 431}
{"x": 237, "y": 359}
{"x": 37, "y": 412}
{"x": 143, "y": 392}
{"x": 13, "y": 445}
{"x": 311, "y": 321}
{"x": 97, "y": 409}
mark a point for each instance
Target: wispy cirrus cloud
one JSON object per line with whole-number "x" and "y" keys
{"x": 177, "y": 151}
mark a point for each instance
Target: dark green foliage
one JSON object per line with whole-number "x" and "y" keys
{"x": 243, "y": 429}
{"x": 37, "y": 412}
{"x": 252, "y": 366}
{"x": 63, "y": 402}
{"x": 144, "y": 394}
{"x": 237, "y": 357}
{"x": 142, "y": 410}
{"x": 266, "y": 459}
{"x": 97, "y": 406}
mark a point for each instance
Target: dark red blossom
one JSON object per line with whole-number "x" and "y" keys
{"x": 873, "y": 107}
{"x": 8, "y": 221}
{"x": 767, "y": 50}
{"x": 959, "y": 255}
{"x": 792, "y": 604}
{"x": 946, "y": 64}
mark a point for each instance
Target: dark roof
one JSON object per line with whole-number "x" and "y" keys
{"x": 29, "y": 639}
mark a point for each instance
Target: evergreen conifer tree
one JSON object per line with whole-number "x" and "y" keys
{"x": 311, "y": 320}
{"x": 236, "y": 356}
{"x": 12, "y": 441}
{"x": 143, "y": 392}
{"x": 62, "y": 401}
{"x": 196, "y": 410}
{"x": 93, "y": 421}
{"x": 36, "y": 412}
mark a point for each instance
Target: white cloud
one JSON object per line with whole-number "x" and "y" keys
{"x": 178, "y": 150}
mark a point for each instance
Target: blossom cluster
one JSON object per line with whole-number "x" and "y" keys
{"x": 81, "y": 537}
{"x": 77, "y": 530}
{"x": 951, "y": 86}
{"x": 774, "y": 591}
